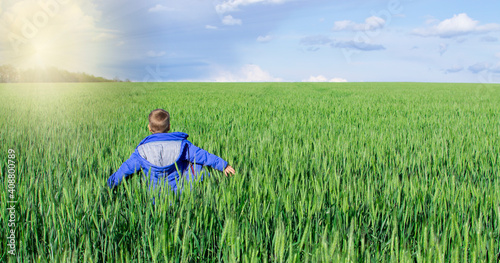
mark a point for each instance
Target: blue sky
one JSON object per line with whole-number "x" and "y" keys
{"x": 258, "y": 40}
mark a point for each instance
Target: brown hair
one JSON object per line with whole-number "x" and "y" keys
{"x": 159, "y": 120}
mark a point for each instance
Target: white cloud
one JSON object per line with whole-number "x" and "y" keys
{"x": 154, "y": 54}
{"x": 371, "y": 23}
{"x": 264, "y": 39}
{"x": 233, "y": 5}
{"x": 321, "y": 78}
{"x": 248, "y": 73}
{"x": 458, "y": 25}
{"x": 210, "y": 27}
{"x": 497, "y": 55}
{"x": 338, "y": 80}
{"x": 231, "y": 21}
{"x": 159, "y": 8}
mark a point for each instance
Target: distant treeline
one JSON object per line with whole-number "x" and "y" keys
{"x": 11, "y": 74}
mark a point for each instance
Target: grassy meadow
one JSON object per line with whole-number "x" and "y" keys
{"x": 326, "y": 172}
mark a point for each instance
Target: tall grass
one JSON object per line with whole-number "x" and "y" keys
{"x": 356, "y": 172}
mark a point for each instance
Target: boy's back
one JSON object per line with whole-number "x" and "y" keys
{"x": 165, "y": 157}
{"x": 161, "y": 153}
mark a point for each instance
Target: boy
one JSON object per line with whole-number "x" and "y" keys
{"x": 163, "y": 155}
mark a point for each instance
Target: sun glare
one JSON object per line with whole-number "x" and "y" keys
{"x": 42, "y": 34}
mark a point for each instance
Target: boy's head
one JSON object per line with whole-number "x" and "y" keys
{"x": 159, "y": 121}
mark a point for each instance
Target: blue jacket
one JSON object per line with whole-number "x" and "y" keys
{"x": 162, "y": 156}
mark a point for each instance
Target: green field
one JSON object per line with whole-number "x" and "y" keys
{"x": 326, "y": 172}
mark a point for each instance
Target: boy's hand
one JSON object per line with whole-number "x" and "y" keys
{"x": 229, "y": 170}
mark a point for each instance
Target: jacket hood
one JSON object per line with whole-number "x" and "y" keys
{"x": 171, "y": 136}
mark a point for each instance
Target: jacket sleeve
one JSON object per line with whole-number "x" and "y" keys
{"x": 199, "y": 156}
{"x": 129, "y": 167}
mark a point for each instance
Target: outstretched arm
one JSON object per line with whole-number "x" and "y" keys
{"x": 200, "y": 156}
{"x": 129, "y": 167}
